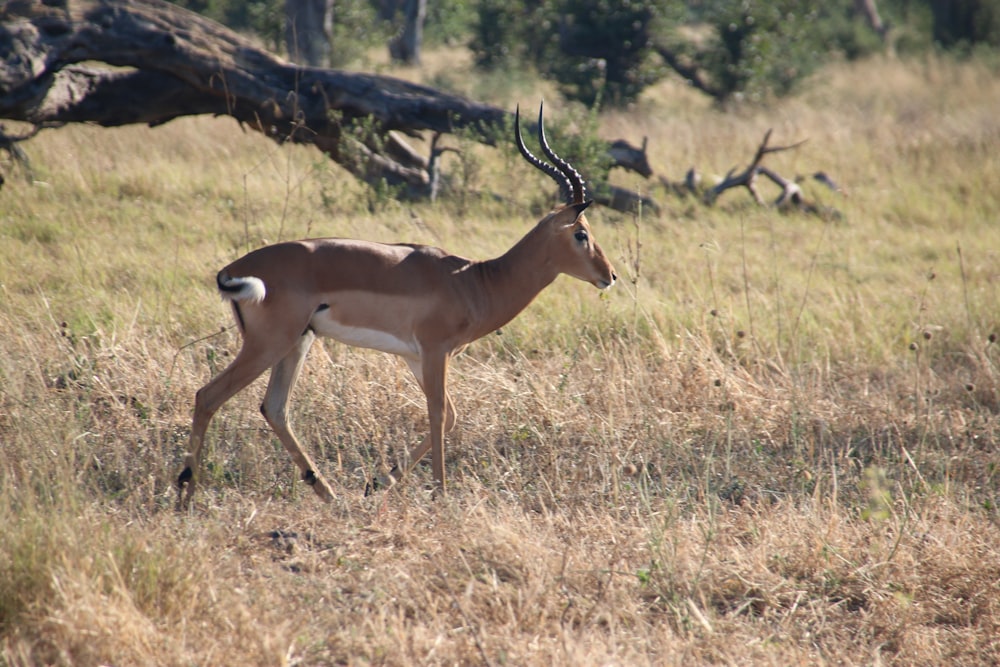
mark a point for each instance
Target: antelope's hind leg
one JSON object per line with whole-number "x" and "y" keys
{"x": 258, "y": 353}
{"x": 245, "y": 368}
{"x": 284, "y": 375}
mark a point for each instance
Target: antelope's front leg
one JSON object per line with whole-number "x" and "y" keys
{"x": 185, "y": 484}
{"x": 435, "y": 372}
{"x": 414, "y": 456}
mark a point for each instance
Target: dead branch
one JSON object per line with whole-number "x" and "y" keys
{"x": 791, "y": 196}
{"x": 629, "y": 157}
{"x": 691, "y": 185}
{"x": 748, "y": 177}
{"x": 791, "y": 193}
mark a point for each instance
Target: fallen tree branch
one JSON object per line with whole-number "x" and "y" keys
{"x": 791, "y": 196}
{"x": 748, "y": 177}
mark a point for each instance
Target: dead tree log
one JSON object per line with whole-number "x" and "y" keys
{"x": 748, "y": 177}
{"x": 623, "y": 154}
{"x": 790, "y": 198}
{"x": 168, "y": 62}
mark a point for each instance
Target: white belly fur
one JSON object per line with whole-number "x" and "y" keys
{"x": 324, "y": 325}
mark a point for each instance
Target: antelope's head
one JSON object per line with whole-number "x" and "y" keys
{"x": 575, "y": 250}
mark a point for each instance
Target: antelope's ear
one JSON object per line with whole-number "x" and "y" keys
{"x": 575, "y": 211}
{"x": 580, "y": 208}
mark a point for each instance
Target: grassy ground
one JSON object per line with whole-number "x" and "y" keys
{"x": 774, "y": 442}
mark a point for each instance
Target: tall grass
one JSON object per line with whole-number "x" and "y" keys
{"x": 774, "y": 441}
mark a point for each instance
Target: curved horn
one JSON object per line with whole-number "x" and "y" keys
{"x": 566, "y": 187}
{"x": 572, "y": 175}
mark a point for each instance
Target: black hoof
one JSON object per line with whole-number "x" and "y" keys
{"x": 184, "y": 477}
{"x": 309, "y": 477}
{"x": 376, "y": 485}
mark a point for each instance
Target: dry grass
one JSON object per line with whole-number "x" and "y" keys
{"x": 774, "y": 443}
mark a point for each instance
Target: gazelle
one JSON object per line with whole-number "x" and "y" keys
{"x": 415, "y": 301}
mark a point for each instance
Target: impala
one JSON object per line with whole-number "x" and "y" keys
{"x": 415, "y": 301}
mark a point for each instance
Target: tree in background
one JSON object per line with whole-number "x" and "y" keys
{"x": 605, "y": 50}
{"x": 750, "y": 50}
{"x": 733, "y": 50}
{"x": 405, "y": 45}
{"x": 592, "y": 50}
{"x": 965, "y": 23}
{"x": 514, "y": 33}
{"x": 264, "y": 18}
{"x": 869, "y": 12}
{"x": 308, "y": 31}
{"x": 350, "y": 27}
{"x": 736, "y": 51}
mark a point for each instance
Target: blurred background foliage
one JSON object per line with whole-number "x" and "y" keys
{"x": 609, "y": 51}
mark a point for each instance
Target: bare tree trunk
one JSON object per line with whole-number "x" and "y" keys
{"x": 868, "y": 9}
{"x": 308, "y": 31}
{"x": 405, "y": 46}
{"x": 386, "y": 9}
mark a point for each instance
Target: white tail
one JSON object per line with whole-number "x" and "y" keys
{"x": 247, "y": 288}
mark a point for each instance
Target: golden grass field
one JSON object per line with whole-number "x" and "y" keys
{"x": 774, "y": 442}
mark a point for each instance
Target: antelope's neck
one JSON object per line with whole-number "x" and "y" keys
{"x": 512, "y": 281}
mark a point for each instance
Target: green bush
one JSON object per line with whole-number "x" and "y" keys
{"x": 605, "y": 50}
{"x": 761, "y": 48}
{"x": 355, "y": 25}
{"x": 265, "y": 18}
{"x": 591, "y": 50}
{"x": 513, "y": 34}
{"x": 449, "y": 22}
{"x": 744, "y": 49}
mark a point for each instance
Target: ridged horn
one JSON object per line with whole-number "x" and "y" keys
{"x": 566, "y": 186}
{"x": 572, "y": 175}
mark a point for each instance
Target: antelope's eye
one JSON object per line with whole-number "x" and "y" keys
{"x": 581, "y": 235}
